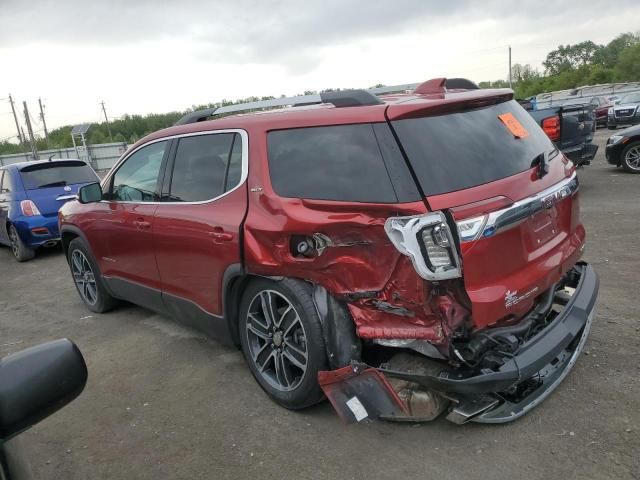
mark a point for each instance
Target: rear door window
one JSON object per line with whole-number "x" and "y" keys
{"x": 342, "y": 163}
{"x": 205, "y": 167}
{"x": 56, "y": 174}
{"x": 464, "y": 149}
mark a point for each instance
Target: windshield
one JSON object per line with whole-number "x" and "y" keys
{"x": 461, "y": 150}
{"x": 56, "y": 174}
{"x": 631, "y": 98}
{"x": 581, "y": 101}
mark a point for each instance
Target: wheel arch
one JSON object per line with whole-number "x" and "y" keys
{"x": 338, "y": 328}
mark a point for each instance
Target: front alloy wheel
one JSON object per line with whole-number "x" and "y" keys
{"x": 631, "y": 158}
{"x": 277, "y": 341}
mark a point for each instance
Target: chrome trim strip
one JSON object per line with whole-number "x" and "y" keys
{"x": 67, "y": 197}
{"x": 243, "y": 177}
{"x": 517, "y": 213}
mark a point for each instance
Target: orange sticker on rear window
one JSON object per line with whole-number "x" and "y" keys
{"x": 513, "y": 125}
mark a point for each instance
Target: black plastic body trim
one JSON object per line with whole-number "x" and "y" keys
{"x": 180, "y": 309}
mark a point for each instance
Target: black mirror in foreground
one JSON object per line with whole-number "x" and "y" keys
{"x": 36, "y": 382}
{"x": 91, "y": 193}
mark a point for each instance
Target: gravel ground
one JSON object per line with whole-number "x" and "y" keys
{"x": 164, "y": 402}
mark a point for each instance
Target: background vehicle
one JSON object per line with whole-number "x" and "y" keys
{"x": 623, "y": 149}
{"x": 571, "y": 129}
{"x": 600, "y": 104}
{"x": 341, "y": 250}
{"x": 30, "y": 195}
{"x": 34, "y": 384}
{"x": 626, "y": 111}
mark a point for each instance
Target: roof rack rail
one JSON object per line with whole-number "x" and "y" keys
{"x": 339, "y": 98}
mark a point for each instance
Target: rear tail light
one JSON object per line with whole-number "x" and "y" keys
{"x": 29, "y": 208}
{"x": 428, "y": 242}
{"x": 551, "y": 127}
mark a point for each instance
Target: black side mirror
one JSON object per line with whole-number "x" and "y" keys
{"x": 91, "y": 193}
{"x": 38, "y": 381}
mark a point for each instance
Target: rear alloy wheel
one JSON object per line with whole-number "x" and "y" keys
{"x": 21, "y": 252}
{"x": 631, "y": 158}
{"x": 87, "y": 278}
{"x": 282, "y": 341}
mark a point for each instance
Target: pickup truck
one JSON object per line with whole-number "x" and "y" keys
{"x": 570, "y": 128}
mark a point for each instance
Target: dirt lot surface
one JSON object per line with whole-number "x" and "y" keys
{"x": 164, "y": 402}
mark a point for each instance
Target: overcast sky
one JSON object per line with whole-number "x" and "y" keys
{"x": 143, "y": 56}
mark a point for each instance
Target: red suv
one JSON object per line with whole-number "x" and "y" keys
{"x": 404, "y": 253}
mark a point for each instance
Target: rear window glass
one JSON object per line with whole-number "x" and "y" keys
{"x": 56, "y": 174}
{"x": 341, "y": 162}
{"x": 461, "y": 150}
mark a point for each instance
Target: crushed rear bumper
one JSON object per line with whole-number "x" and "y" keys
{"x": 546, "y": 358}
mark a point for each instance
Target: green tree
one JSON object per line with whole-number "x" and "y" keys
{"x": 567, "y": 57}
{"x": 628, "y": 66}
{"x": 607, "y": 56}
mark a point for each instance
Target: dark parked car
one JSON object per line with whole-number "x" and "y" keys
{"x": 404, "y": 255}
{"x": 626, "y": 111}
{"x": 601, "y": 106}
{"x": 30, "y": 195}
{"x": 623, "y": 149}
{"x": 571, "y": 129}
{"x": 34, "y": 384}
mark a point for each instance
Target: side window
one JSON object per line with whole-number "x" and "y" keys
{"x": 137, "y": 177}
{"x": 5, "y": 183}
{"x": 341, "y": 162}
{"x": 202, "y": 167}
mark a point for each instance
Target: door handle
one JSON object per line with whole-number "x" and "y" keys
{"x": 142, "y": 224}
{"x": 219, "y": 235}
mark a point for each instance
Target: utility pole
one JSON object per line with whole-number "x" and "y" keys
{"x": 15, "y": 118}
{"x": 106, "y": 120}
{"x": 510, "y": 84}
{"x": 44, "y": 124}
{"x": 34, "y": 149}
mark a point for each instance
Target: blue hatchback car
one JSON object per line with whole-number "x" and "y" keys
{"x": 31, "y": 193}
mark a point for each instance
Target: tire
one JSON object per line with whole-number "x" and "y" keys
{"x": 87, "y": 278}
{"x": 631, "y": 158}
{"x": 611, "y": 127}
{"x": 275, "y": 350}
{"x": 21, "y": 252}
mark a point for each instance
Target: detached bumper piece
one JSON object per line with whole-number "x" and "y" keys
{"x": 488, "y": 395}
{"x": 359, "y": 392}
{"x": 582, "y": 155}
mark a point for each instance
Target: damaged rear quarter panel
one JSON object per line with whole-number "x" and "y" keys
{"x": 384, "y": 294}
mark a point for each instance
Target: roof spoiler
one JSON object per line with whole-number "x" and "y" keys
{"x": 339, "y": 98}
{"x": 441, "y": 85}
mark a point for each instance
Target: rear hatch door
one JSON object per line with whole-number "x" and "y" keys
{"x": 50, "y": 185}
{"x": 481, "y": 165}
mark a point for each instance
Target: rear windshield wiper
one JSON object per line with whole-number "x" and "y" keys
{"x": 542, "y": 162}
{"x": 61, "y": 183}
